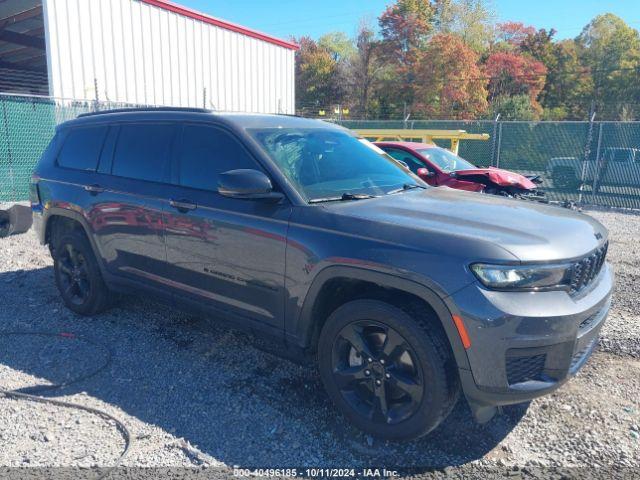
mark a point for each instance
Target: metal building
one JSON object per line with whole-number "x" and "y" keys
{"x": 143, "y": 52}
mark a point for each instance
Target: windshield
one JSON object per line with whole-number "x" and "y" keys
{"x": 327, "y": 163}
{"x": 446, "y": 160}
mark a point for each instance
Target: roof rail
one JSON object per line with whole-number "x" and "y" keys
{"x": 146, "y": 109}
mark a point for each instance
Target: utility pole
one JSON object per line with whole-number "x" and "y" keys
{"x": 587, "y": 153}
{"x": 97, "y": 95}
{"x": 495, "y": 133}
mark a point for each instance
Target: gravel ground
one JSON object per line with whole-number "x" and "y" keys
{"x": 197, "y": 395}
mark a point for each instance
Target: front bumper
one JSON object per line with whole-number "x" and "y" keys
{"x": 527, "y": 344}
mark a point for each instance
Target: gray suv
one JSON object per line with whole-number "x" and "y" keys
{"x": 405, "y": 295}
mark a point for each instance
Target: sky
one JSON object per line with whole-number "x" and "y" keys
{"x": 286, "y": 18}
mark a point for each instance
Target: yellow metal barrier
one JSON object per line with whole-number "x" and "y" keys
{"x": 424, "y": 136}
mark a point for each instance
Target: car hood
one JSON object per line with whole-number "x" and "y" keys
{"x": 441, "y": 218}
{"x": 504, "y": 178}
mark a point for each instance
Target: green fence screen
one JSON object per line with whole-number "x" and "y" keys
{"x": 27, "y": 124}
{"x": 594, "y": 163}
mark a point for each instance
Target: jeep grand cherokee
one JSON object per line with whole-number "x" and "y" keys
{"x": 297, "y": 230}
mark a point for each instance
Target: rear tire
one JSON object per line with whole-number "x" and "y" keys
{"x": 78, "y": 276}
{"x": 390, "y": 372}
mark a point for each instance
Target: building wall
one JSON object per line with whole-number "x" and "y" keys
{"x": 131, "y": 51}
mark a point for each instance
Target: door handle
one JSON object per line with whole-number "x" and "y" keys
{"x": 183, "y": 206}
{"x": 93, "y": 189}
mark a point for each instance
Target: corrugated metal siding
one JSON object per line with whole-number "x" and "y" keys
{"x": 138, "y": 53}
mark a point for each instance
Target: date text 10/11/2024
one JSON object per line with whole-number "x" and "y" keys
{"x": 316, "y": 472}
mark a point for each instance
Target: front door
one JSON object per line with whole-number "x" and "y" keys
{"x": 228, "y": 254}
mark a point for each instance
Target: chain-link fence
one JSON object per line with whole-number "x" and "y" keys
{"x": 27, "y": 124}
{"x": 586, "y": 162}
{"x": 596, "y": 163}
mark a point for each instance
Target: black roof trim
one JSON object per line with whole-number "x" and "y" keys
{"x": 146, "y": 109}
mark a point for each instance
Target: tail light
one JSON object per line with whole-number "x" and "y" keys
{"x": 34, "y": 191}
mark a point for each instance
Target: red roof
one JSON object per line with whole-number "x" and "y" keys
{"x": 203, "y": 17}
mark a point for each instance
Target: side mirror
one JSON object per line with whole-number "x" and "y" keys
{"x": 247, "y": 185}
{"x": 425, "y": 173}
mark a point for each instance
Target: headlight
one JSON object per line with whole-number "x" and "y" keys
{"x": 523, "y": 277}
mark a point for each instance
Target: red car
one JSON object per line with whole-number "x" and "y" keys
{"x": 438, "y": 166}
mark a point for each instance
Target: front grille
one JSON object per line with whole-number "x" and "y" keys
{"x": 523, "y": 369}
{"x": 588, "y": 268}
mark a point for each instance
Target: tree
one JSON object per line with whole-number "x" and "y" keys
{"x": 365, "y": 69}
{"x": 338, "y": 44}
{"x": 317, "y": 76}
{"x": 473, "y": 20}
{"x": 513, "y": 107}
{"x": 568, "y": 86}
{"x": 514, "y": 33}
{"x": 405, "y": 27}
{"x": 539, "y": 45}
{"x": 515, "y": 74}
{"x": 611, "y": 49}
{"x": 449, "y": 80}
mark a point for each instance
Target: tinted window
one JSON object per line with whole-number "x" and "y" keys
{"x": 82, "y": 148}
{"x": 142, "y": 151}
{"x": 406, "y": 157}
{"x": 207, "y": 152}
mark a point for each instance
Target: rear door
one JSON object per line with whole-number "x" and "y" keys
{"x": 127, "y": 210}
{"x": 227, "y": 254}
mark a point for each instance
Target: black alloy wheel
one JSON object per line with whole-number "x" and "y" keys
{"x": 389, "y": 370}
{"x": 377, "y": 372}
{"x": 78, "y": 275}
{"x": 74, "y": 275}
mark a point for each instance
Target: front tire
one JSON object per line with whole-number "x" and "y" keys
{"x": 391, "y": 373}
{"x": 78, "y": 276}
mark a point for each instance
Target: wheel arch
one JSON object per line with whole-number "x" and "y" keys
{"x": 74, "y": 221}
{"x": 313, "y": 313}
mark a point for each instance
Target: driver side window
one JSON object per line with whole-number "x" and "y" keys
{"x": 406, "y": 157}
{"x": 206, "y": 152}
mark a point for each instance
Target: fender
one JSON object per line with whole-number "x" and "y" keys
{"x": 50, "y": 212}
{"x": 302, "y": 330}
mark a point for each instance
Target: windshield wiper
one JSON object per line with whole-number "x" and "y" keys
{"x": 405, "y": 187}
{"x": 343, "y": 198}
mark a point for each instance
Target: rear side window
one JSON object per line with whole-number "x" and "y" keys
{"x": 82, "y": 147}
{"x": 206, "y": 152}
{"x": 142, "y": 151}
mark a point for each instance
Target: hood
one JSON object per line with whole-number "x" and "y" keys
{"x": 443, "y": 219}
{"x": 501, "y": 177}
